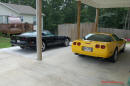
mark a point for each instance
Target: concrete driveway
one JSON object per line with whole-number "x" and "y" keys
{"x": 60, "y": 67}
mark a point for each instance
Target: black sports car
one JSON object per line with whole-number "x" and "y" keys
{"x": 28, "y": 40}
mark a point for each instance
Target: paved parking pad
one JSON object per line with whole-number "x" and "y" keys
{"x": 60, "y": 67}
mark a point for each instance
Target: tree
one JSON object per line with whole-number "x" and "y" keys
{"x": 65, "y": 11}
{"x": 113, "y": 17}
{"x": 54, "y": 15}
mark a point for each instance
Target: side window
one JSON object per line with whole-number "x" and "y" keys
{"x": 1, "y": 19}
{"x": 34, "y": 20}
{"x": 110, "y": 39}
{"x": 43, "y": 34}
{"x": 116, "y": 37}
{"x": 21, "y": 17}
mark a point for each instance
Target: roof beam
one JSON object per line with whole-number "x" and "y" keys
{"x": 107, "y": 3}
{"x": 121, "y": 4}
{"x": 97, "y": 19}
{"x": 78, "y": 19}
{"x": 39, "y": 29}
{"x": 90, "y": 3}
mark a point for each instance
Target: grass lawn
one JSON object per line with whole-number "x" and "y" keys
{"x": 5, "y": 42}
{"x": 128, "y": 42}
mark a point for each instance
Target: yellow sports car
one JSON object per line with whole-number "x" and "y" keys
{"x": 102, "y": 45}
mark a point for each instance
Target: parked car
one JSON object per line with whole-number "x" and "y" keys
{"x": 28, "y": 40}
{"x": 102, "y": 45}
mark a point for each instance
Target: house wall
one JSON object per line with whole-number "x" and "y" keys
{"x": 1, "y": 19}
{"x": 28, "y": 19}
{"x": 5, "y": 11}
{"x": 31, "y": 19}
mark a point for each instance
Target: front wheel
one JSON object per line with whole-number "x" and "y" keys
{"x": 66, "y": 42}
{"x": 115, "y": 56}
{"x": 123, "y": 50}
{"x": 43, "y": 46}
{"x": 22, "y": 47}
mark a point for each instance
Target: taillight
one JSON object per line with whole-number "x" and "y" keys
{"x": 78, "y": 43}
{"x": 97, "y": 46}
{"x": 103, "y": 46}
{"x": 74, "y": 43}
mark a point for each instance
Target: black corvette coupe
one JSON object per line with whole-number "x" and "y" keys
{"x": 28, "y": 40}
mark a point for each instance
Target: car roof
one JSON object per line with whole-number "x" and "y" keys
{"x": 103, "y": 33}
{"x": 36, "y": 31}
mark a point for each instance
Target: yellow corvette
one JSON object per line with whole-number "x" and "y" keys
{"x": 103, "y": 45}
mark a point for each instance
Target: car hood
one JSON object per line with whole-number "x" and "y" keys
{"x": 26, "y": 35}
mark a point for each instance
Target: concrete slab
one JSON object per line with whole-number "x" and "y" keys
{"x": 60, "y": 67}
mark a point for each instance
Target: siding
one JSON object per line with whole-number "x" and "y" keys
{"x": 28, "y": 19}
{"x": 5, "y": 11}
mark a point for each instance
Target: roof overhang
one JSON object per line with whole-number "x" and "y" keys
{"x": 107, "y": 3}
{"x": 18, "y": 12}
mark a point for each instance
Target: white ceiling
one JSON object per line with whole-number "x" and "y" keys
{"x": 107, "y": 3}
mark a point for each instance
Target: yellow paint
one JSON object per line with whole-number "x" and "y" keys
{"x": 98, "y": 52}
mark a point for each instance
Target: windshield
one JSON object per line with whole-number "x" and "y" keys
{"x": 30, "y": 33}
{"x": 47, "y": 33}
{"x": 34, "y": 33}
{"x": 98, "y": 37}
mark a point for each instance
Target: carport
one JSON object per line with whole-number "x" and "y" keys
{"x": 94, "y": 3}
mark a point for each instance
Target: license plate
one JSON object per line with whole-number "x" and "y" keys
{"x": 89, "y": 49}
{"x": 18, "y": 40}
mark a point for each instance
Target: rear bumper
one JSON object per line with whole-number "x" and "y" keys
{"x": 93, "y": 54}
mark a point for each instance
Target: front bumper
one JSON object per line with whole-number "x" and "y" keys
{"x": 22, "y": 43}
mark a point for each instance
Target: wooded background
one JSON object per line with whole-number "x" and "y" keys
{"x": 65, "y": 11}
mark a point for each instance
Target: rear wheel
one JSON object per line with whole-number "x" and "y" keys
{"x": 76, "y": 53}
{"x": 115, "y": 56}
{"x": 66, "y": 42}
{"x": 22, "y": 47}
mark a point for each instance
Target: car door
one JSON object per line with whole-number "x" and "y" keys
{"x": 50, "y": 38}
{"x": 58, "y": 39}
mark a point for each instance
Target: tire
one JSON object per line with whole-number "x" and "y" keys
{"x": 123, "y": 50}
{"x": 76, "y": 53}
{"x": 22, "y": 47}
{"x": 43, "y": 46}
{"x": 114, "y": 58}
{"x": 12, "y": 45}
{"x": 66, "y": 42}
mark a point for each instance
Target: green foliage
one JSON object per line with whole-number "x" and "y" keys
{"x": 65, "y": 11}
{"x": 54, "y": 15}
{"x": 88, "y": 14}
{"x": 4, "y": 42}
{"x": 113, "y": 18}
{"x": 70, "y": 11}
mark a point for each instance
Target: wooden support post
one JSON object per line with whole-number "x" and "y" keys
{"x": 39, "y": 29}
{"x": 97, "y": 19}
{"x": 78, "y": 19}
